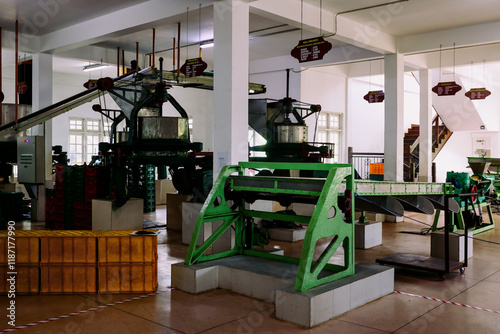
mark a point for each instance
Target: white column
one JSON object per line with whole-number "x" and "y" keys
{"x": 425, "y": 146}
{"x": 42, "y": 97}
{"x": 394, "y": 112}
{"x": 231, "y": 24}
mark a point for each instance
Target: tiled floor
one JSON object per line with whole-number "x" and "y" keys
{"x": 221, "y": 311}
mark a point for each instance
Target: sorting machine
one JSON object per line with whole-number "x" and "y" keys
{"x": 229, "y": 203}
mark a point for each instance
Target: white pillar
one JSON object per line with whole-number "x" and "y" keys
{"x": 42, "y": 97}
{"x": 425, "y": 146}
{"x": 231, "y": 24}
{"x": 394, "y": 112}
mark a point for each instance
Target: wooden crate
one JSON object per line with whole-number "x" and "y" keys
{"x": 26, "y": 248}
{"x": 68, "y": 279}
{"x": 128, "y": 278}
{"x": 68, "y": 247}
{"x": 121, "y": 247}
{"x": 27, "y": 280}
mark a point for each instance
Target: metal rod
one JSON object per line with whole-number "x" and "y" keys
{"x": 136, "y": 57}
{"x": 287, "y": 82}
{"x": 16, "y": 74}
{"x": 173, "y": 56}
{"x": 123, "y": 61}
{"x": 447, "y": 234}
{"x": 154, "y": 37}
{"x": 1, "y": 74}
{"x": 178, "y": 49}
{"x": 118, "y": 61}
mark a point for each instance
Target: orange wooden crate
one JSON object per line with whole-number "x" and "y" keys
{"x": 128, "y": 278}
{"x": 68, "y": 279}
{"x": 68, "y": 247}
{"x": 26, "y": 248}
{"x": 27, "y": 280}
{"x": 121, "y": 247}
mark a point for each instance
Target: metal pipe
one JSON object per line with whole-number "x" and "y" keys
{"x": 118, "y": 61}
{"x": 137, "y": 57}
{"x": 154, "y": 37}
{"x": 357, "y": 10}
{"x": 16, "y": 102}
{"x": 173, "y": 56}
{"x": 123, "y": 61}
{"x": 178, "y": 49}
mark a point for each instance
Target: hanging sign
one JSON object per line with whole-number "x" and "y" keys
{"x": 193, "y": 67}
{"x": 375, "y": 96}
{"x": 478, "y": 93}
{"x": 446, "y": 88}
{"x": 311, "y": 49}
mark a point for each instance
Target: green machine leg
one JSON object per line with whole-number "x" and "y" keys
{"x": 326, "y": 221}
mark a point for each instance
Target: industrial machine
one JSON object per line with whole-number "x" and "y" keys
{"x": 282, "y": 124}
{"x": 329, "y": 228}
{"x": 471, "y": 207}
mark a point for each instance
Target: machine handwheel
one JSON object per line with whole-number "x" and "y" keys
{"x": 473, "y": 190}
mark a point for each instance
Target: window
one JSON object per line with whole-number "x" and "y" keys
{"x": 330, "y": 131}
{"x": 84, "y": 138}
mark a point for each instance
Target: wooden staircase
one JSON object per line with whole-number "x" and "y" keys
{"x": 440, "y": 135}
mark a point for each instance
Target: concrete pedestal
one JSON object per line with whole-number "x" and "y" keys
{"x": 190, "y": 212}
{"x": 163, "y": 187}
{"x": 127, "y": 217}
{"x": 393, "y": 219}
{"x": 368, "y": 235}
{"x": 287, "y": 234}
{"x": 273, "y": 281}
{"x": 174, "y": 210}
{"x": 457, "y": 251}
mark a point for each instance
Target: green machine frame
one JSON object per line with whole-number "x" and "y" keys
{"x": 325, "y": 222}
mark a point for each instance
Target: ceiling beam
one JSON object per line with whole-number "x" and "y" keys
{"x": 125, "y": 21}
{"x": 484, "y": 33}
{"x": 368, "y": 35}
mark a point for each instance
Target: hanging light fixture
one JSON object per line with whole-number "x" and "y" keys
{"x": 92, "y": 67}
{"x": 207, "y": 44}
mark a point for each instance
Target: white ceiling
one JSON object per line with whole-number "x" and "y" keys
{"x": 402, "y": 19}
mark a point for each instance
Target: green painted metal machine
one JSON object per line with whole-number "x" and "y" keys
{"x": 471, "y": 208}
{"x": 335, "y": 196}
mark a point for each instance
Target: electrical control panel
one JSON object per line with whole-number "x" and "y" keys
{"x": 31, "y": 160}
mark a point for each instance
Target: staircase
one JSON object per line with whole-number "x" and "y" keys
{"x": 440, "y": 135}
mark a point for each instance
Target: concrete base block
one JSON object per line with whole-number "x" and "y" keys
{"x": 190, "y": 212}
{"x": 368, "y": 235}
{"x": 174, "y": 210}
{"x": 127, "y": 217}
{"x": 287, "y": 234}
{"x": 314, "y": 306}
{"x": 457, "y": 251}
{"x": 163, "y": 187}
{"x": 274, "y": 280}
{"x": 393, "y": 219}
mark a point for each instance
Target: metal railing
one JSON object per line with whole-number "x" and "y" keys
{"x": 361, "y": 162}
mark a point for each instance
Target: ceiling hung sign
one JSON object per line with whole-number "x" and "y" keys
{"x": 375, "y": 96}
{"x": 446, "y": 88}
{"x": 478, "y": 93}
{"x": 311, "y": 49}
{"x": 193, "y": 67}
